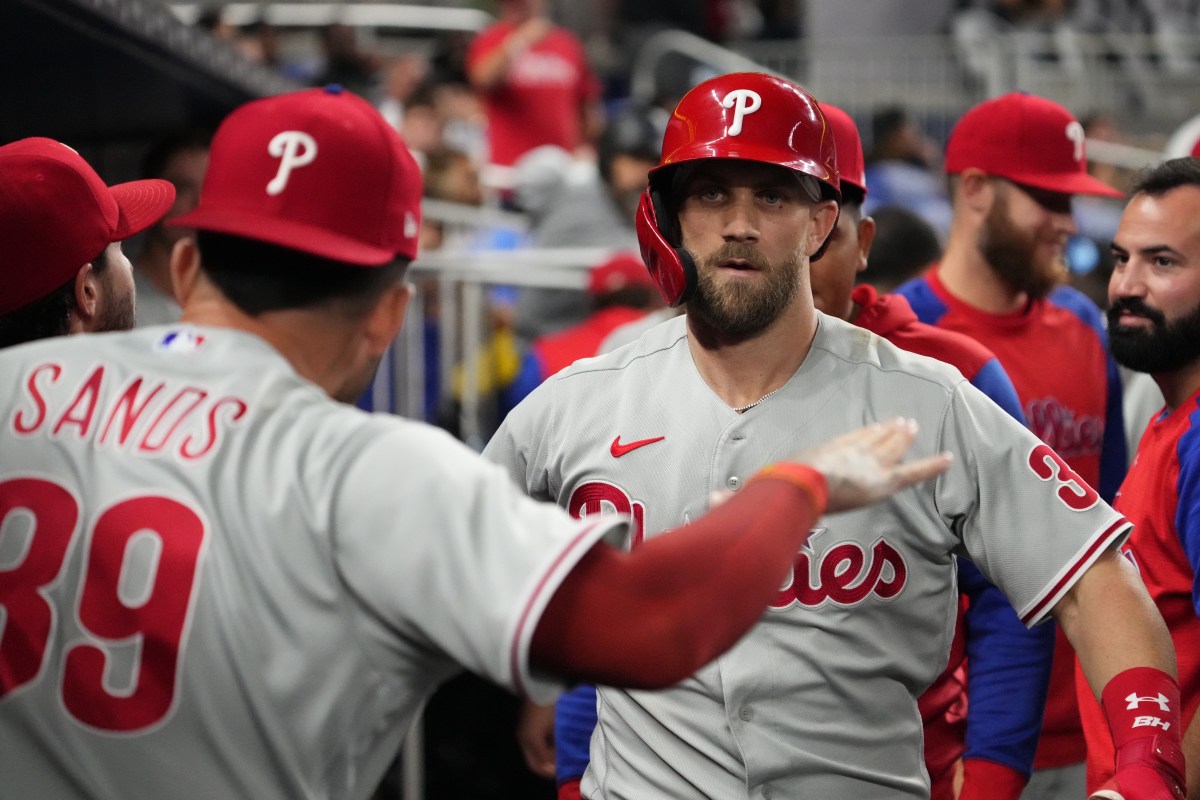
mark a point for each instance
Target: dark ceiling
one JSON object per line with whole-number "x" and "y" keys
{"x": 98, "y": 73}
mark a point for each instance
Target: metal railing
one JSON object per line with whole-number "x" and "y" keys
{"x": 366, "y": 15}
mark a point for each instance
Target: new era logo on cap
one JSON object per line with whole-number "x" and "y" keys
{"x": 1026, "y": 139}
{"x": 319, "y": 171}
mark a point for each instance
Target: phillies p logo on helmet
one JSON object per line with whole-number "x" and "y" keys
{"x": 713, "y": 121}
{"x": 743, "y": 102}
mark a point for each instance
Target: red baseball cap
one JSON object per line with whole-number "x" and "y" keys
{"x": 621, "y": 270}
{"x": 56, "y": 214}
{"x": 319, "y": 171}
{"x": 1026, "y": 139}
{"x": 850, "y": 163}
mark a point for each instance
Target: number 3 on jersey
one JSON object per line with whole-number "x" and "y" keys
{"x": 169, "y": 536}
{"x": 1072, "y": 489}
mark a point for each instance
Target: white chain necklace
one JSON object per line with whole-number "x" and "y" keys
{"x": 756, "y": 402}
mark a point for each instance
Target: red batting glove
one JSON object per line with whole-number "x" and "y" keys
{"x": 1142, "y": 709}
{"x": 987, "y": 780}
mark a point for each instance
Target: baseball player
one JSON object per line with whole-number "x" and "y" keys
{"x": 62, "y": 230}
{"x": 1011, "y": 665}
{"x": 215, "y": 581}
{"x": 1154, "y": 328}
{"x": 819, "y": 699}
{"x": 1016, "y": 161}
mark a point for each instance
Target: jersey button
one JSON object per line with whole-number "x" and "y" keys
{"x": 734, "y": 482}
{"x": 747, "y": 713}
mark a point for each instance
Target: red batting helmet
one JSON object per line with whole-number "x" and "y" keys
{"x": 746, "y": 115}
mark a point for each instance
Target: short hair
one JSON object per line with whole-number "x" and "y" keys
{"x": 259, "y": 277}
{"x": 852, "y": 196}
{"x": 635, "y": 131}
{"x": 1161, "y": 178}
{"x": 154, "y": 163}
{"x": 905, "y": 245}
{"x": 49, "y": 315}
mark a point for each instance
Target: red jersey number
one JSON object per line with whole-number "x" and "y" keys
{"x": 169, "y": 533}
{"x": 1073, "y": 490}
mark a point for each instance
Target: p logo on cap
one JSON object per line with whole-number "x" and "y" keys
{"x": 1028, "y": 140}
{"x": 319, "y": 171}
{"x": 293, "y": 149}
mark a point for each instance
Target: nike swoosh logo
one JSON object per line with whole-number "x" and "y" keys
{"x": 617, "y": 449}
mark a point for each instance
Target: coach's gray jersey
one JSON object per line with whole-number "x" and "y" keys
{"x": 183, "y": 516}
{"x": 820, "y": 699}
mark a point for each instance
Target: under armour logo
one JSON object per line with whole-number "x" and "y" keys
{"x": 293, "y": 149}
{"x": 743, "y": 102}
{"x": 1077, "y": 136}
{"x": 1134, "y": 701}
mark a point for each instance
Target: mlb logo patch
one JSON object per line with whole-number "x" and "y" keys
{"x": 180, "y": 341}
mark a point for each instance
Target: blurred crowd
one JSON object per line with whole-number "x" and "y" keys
{"x": 526, "y": 117}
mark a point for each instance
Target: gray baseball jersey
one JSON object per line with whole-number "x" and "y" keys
{"x": 217, "y": 582}
{"x": 820, "y": 698}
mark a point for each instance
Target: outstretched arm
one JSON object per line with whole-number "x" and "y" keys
{"x": 651, "y": 617}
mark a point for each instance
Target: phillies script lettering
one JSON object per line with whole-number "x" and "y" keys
{"x": 601, "y": 497}
{"x": 1070, "y": 436}
{"x": 845, "y": 574}
{"x": 143, "y": 417}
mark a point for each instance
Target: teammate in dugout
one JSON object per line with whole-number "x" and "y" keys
{"x": 62, "y": 230}
{"x": 1015, "y": 163}
{"x": 1154, "y": 327}
{"x": 820, "y": 698}
{"x": 215, "y": 581}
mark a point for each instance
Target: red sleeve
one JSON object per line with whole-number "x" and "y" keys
{"x": 653, "y": 616}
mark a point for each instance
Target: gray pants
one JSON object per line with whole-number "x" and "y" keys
{"x": 1060, "y": 783}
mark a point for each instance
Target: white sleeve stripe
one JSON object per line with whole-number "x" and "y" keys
{"x": 519, "y": 648}
{"x": 1071, "y": 573}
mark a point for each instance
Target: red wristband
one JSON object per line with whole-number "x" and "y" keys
{"x": 988, "y": 780}
{"x": 1141, "y": 706}
{"x": 802, "y": 475}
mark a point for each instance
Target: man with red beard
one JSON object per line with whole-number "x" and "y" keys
{"x": 62, "y": 230}
{"x": 819, "y": 699}
{"x": 1154, "y": 327}
{"x": 1015, "y": 162}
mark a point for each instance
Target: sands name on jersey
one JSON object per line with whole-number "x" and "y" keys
{"x": 143, "y": 416}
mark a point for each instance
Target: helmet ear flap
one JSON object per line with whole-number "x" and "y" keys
{"x": 672, "y": 268}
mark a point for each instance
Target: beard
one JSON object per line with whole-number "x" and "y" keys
{"x": 1012, "y": 254}
{"x": 738, "y": 310}
{"x": 1164, "y": 347}
{"x": 119, "y": 310}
